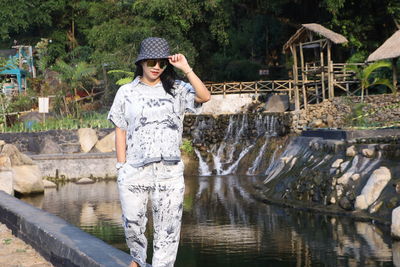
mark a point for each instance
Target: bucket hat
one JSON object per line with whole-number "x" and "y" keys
{"x": 153, "y": 48}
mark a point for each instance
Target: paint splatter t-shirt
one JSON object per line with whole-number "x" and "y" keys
{"x": 153, "y": 120}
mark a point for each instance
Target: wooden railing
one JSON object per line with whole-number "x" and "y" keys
{"x": 255, "y": 87}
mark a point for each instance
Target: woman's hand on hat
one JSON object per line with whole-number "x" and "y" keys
{"x": 179, "y": 61}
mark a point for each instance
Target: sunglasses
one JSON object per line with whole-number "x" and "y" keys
{"x": 153, "y": 62}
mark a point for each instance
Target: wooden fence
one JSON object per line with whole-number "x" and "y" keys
{"x": 255, "y": 87}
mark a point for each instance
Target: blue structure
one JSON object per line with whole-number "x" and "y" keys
{"x": 14, "y": 69}
{"x": 19, "y": 74}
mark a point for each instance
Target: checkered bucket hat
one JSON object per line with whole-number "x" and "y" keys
{"x": 153, "y": 47}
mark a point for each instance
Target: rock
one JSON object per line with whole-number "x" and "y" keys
{"x": 345, "y": 204}
{"x": 17, "y": 158}
{"x": 48, "y": 146}
{"x": 5, "y": 162}
{"x": 371, "y": 191}
{"x": 361, "y": 203}
{"x": 330, "y": 121}
{"x": 351, "y": 151}
{"x": 49, "y": 184}
{"x": 6, "y": 181}
{"x": 107, "y": 144}
{"x": 277, "y": 103}
{"x": 87, "y": 138}
{"x": 2, "y": 143}
{"x": 355, "y": 176}
{"x": 318, "y": 123}
{"x": 28, "y": 179}
{"x": 337, "y": 163}
{"x": 344, "y": 179}
{"x": 367, "y": 152}
{"x": 85, "y": 181}
{"x": 395, "y": 227}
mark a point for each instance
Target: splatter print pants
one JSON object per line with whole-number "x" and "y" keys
{"x": 163, "y": 184}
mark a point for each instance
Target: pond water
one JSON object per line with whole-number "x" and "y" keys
{"x": 223, "y": 225}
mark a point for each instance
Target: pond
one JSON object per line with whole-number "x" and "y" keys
{"x": 224, "y": 225}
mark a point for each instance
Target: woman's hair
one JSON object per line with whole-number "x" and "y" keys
{"x": 168, "y": 76}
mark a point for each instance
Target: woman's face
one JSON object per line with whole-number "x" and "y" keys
{"x": 153, "y": 68}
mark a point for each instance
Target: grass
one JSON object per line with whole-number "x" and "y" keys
{"x": 89, "y": 120}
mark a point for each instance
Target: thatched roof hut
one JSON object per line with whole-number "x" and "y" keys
{"x": 303, "y": 33}
{"x": 390, "y": 49}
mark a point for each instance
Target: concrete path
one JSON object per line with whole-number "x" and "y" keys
{"x": 16, "y": 253}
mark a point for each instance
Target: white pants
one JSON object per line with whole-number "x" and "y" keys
{"x": 164, "y": 184}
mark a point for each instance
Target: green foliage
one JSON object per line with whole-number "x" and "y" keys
{"x": 187, "y": 146}
{"x": 88, "y": 120}
{"x": 129, "y": 75}
{"x": 372, "y": 75}
{"x": 358, "y": 116}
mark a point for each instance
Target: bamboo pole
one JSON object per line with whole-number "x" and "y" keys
{"x": 330, "y": 71}
{"x": 295, "y": 77}
{"x": 321, "y": 53}
{"x": 303, "y": 77}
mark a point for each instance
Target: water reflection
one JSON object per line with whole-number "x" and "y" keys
{"x": 225, "y": 226}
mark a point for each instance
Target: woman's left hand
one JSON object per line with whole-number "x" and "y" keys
{"x": 179, "y": 61}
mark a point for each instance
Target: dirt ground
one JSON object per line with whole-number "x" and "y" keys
{"x": 16, "y": 253}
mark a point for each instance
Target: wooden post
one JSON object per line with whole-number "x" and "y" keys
{"x": 330, "y": 72}
{"x": 295, "y": 78}
{"x": 224, "y": 89}
{"x": 321, "y": 53}
{"x": 394, "y": 67}
{"x": 290, "y": 89}
{"x": 303, "y": 77}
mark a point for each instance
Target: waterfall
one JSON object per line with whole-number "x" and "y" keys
{"x": 203, "y": 167}
{"x": 237, "y": 142}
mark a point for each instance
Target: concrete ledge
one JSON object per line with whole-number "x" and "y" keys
{"x": 56, "y": 240}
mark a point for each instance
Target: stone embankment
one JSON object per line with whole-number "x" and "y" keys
{"x": 341, "y": 111}
{"x": 357, "y": 176}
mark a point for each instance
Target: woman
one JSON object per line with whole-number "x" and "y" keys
{"x": 148, "y": 115}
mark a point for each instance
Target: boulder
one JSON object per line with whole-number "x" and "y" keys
{"x": 17, "y": 158}
{"x": 395, "y": 227}
{"x": 367, "y": 152}
{"x": 85, "y": 181}
{"x": 355, "y": 176}
{"x": 107, "y": 144}
{"x": 345, "y": 178}
{"x": 337, "y": 163}
{"x": 49, "y": 184}
{"x": 371, "y": 191}
{"x": 5, "y": 162}
{"x": 345, "y": 203}
{"x": 351, "y": 151}
{"x": 48, "y": 146}
{"x": 277, "y": 103}
{"x": 28, "y": 179}
{"x": 6, "y": 181}
{"x": 87, "y": 138}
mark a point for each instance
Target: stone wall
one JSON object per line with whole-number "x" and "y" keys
{"x": 357, "y": 176}
{"x": 379, "y": 110}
